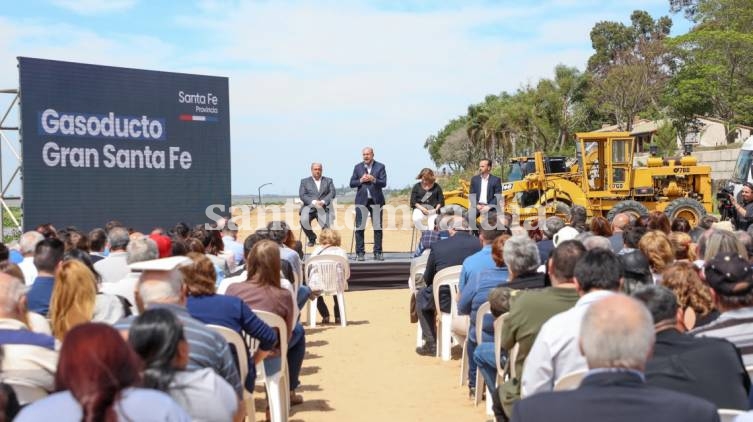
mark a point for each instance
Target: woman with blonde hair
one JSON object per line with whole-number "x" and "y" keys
{"x": 426, "y": 198}
{"x": 329, "y": 244}
{"x": 262, "y": 291}
{"x": 75, "y": 300}
{"x": 693, "y": 296}
{"x": 657, "y": 248}
{"x": 683, "y": 246}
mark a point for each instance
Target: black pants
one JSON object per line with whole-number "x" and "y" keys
{"x": 309, "y": 214}
{"x": 427, "y": 312}
{"x": 375, "y": 210}
{"x": 322, "y": 307}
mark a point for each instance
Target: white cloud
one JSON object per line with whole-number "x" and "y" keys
{"x": 62, "y": 41}
{"x": 94, "y": 7}
{"x": 322, "y": 80}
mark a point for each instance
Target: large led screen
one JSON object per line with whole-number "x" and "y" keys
{"x": 100, "y": 143}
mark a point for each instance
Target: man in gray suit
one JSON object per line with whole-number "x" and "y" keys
{"x": 316, "y": 192}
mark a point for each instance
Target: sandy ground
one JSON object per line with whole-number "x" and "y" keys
{"x": 396, "y": 235}
{"x": 369, "y": 371}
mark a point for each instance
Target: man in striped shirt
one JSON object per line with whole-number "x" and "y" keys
{"x": 207, "y": 348}
{"x": 731, "y": 279}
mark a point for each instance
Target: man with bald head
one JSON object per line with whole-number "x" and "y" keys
{"x": 316, "y": 193}
{"x": 597, "y": 275}
{"x": 161, "y": 286}
{"x": 616, "y": 338}
{"x": 369, "y": 178}
{"x": 619, "y": 222}
{"x": 30, "y": 358}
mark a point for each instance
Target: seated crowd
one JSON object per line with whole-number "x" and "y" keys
{"x": 115, "y": 324}
{"x": 656, "y": 316}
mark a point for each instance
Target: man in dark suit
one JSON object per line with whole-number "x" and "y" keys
{"x": 617, "y": 336}
{"x": 316, "y": 192}
{"x": 484, "y": 189}
{"x": 706, "y": 367}
{"x": 369, "y": 177}
{"x": 445, "y": 253}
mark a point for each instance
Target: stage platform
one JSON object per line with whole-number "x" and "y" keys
{"x": 392, "y": 273}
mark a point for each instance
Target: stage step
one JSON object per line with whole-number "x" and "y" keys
{"x": 387, "y": 274}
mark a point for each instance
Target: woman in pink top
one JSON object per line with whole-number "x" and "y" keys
{"x": 262, "y": 291}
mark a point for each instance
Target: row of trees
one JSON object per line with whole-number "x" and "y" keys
{"x": 636, "y": 70}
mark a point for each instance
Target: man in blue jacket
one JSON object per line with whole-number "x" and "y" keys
{"x": 369, "y": 177}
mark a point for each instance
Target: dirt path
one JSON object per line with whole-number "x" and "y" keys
{"x": 369, "y": 371}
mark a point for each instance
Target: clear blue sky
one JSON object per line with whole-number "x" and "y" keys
{"x": 319, "y": 80}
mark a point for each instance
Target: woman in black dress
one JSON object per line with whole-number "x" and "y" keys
{"x": 426, "y": 199}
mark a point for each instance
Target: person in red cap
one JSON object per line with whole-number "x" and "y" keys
{"x": 164, "y": 244}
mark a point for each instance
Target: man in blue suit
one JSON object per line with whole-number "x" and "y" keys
{"x": 484, "y": 189}
{"x": 616, "y": 337}
{"x": 369, "y": 177}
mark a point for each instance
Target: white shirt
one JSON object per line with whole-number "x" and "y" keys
{"x": 29, "y": 270}
{"x": 125, "y": 288}
{"x": 368, "y": 171}
{"x": 555, "y": 352}
{"x": 318, "y": 184}
{"x": 482, "y": 199}
{"x": 108, "y": 309}
{"x": 204, "y": 395}
{"x": 134, "y": 404}
{"x": 113, "y": 268}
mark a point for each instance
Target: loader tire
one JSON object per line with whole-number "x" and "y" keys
{"x": 688, "y": 208}
{"x": 629, "y": 206}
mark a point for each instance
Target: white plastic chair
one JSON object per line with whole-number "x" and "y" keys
{"x": 242, "y": 351}
{"x": 512, "y": 354}
{"x": 334, "y": 272}
{"x": 483, "y": 310}
{"x": 464, "y": 364}
{"x": 498, "y": 323}
{"x": 418, "y": 267}
{"x": 450, "y": 277}
{"x": 570, "y": 381}
{"x": 749, "y": 370}
{"x": 729, "y": 415}
{"x": 278, "y": 384}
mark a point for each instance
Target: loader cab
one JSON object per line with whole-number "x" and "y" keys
{"x": 522, "y": 166}
{"x": 606, "y": 159}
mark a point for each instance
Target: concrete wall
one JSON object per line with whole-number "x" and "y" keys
{"x": 722, "y": 162}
